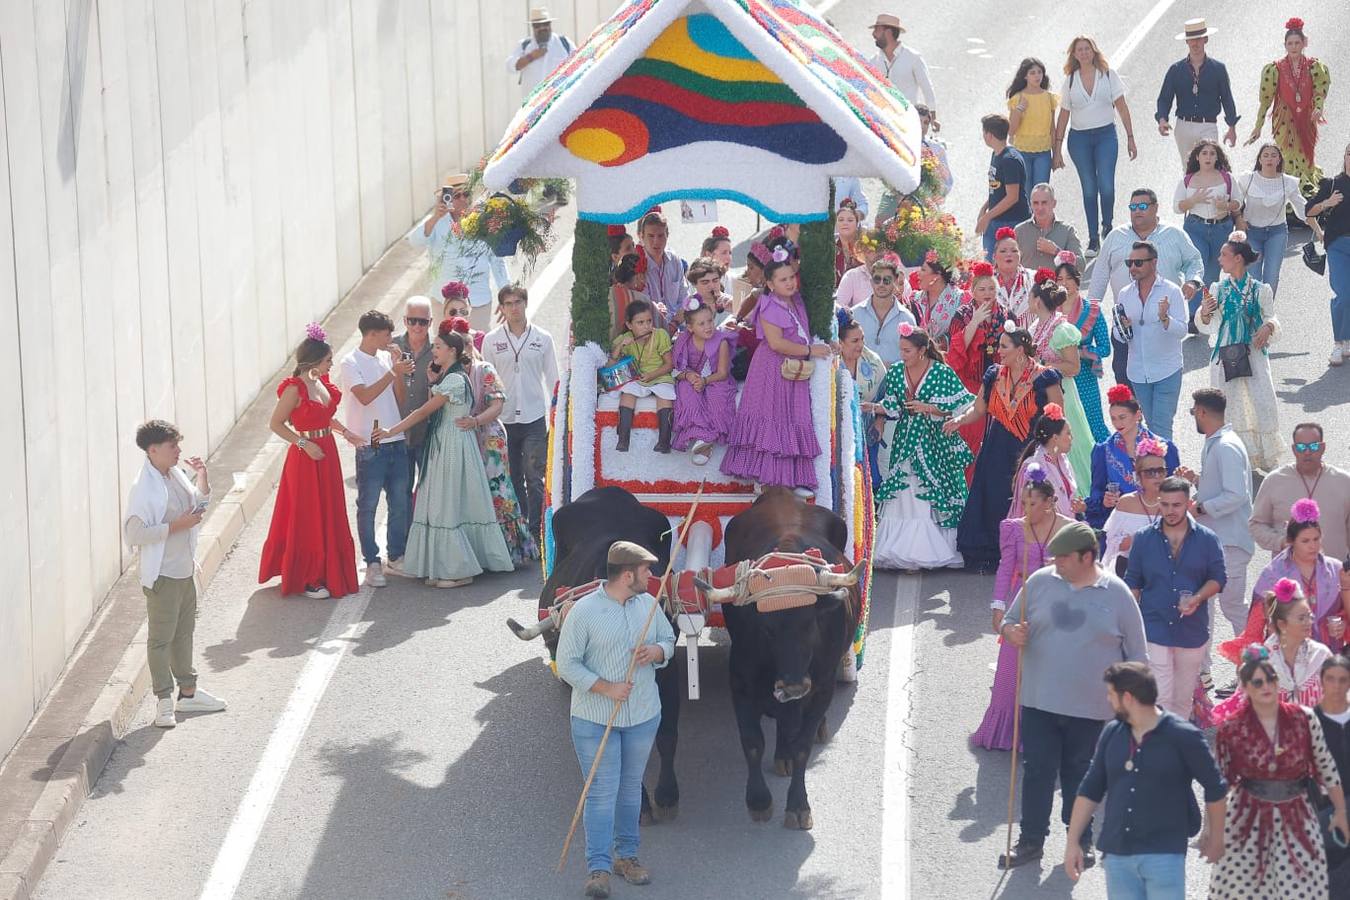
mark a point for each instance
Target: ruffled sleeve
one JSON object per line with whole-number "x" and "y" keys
{"x": 1065, "y": 335}
{"x": 1049, "y": 378}
{"x": 987, "y": 381}
{"x": 1266, "y": 297}
{"x": 771, "y": 311}
{"x": 297, "y": 382}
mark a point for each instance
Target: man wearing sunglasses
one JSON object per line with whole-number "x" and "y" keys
{"x": 415, "y": 341}
{"x": 881, "y": 314}
{"x": 1306, "y": 476}
{"x": 1178, "y": 262}
{"x": 1155, "y": 311}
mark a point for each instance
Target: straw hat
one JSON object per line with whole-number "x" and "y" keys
{"x": 889, "y": 21}
{"x": 1195, "y": 28}
{"x": 539, "y": 15}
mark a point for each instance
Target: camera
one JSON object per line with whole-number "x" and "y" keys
{"x": 447, "y": 194}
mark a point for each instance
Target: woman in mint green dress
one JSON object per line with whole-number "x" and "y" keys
{"x": 1057, "y": 341}
{"x": 455, "y": 533}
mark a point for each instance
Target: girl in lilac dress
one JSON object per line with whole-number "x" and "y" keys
{"x": 773, "y": 440}
{"x": 705, "y": 395}
{"x": 1022, "y": 542}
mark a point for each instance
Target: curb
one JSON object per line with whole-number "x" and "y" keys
{"x": 79, "y": 767}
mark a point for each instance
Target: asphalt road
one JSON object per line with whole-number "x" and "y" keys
{"x": 401, "y": 743}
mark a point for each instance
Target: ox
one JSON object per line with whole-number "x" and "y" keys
{"x": 784, "y": 663}
{"x": 582, "y": 533}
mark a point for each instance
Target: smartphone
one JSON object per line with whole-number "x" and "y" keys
{"x": 200, "y": 507}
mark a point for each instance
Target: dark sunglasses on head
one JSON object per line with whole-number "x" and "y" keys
{"x": 416, "y": 320}
{"x": 882, "y": 279}
{"x": 1309, "y": 447}
{"x": 1135, "y": 263}
{"x": 1139, "y": 207}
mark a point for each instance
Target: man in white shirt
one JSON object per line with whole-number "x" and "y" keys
{"x": 455, "y": 257}
{"x": 539, "y": 54}
{"x": 1147, "y": 307}
{"x": 373, "y": 386}
{"x": 523, "y": 355}
{"x": 902, "y": 66}
{"x": 1178, "y": 262}
{"x": 162, "y": 517}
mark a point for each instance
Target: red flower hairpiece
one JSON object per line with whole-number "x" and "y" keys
{"x": 1147, "y": 446}
{"x": 849, "y": 203}
{"x": 931, "y": 257}
{"x": 982, "y": 270}
{"x": 905, "y": 329}
{"x": 1043, "y": 275}
{"x": 1004, "y": 233}
{"x": 455, "y": 289}
{"x": 1294, "y": 24}
{"x": 1054, "y": 412}
{"x": 642, "y": 262}
{"x": 914, "y": 280}
{"x": 1286, "y": 589}
{"x": 720, "y": 232}
{"x": 454, "y": 324}
{"x": 1305, "y": 511}
{"x": 655, "y": 209}
{"x": 1119, "y": 393}
{"x": 615, "y": 230}
{"x": 1066, "y": 258}
{"x": 1255, "y": 653}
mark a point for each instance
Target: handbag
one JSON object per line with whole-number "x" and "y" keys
{"x": 1236, "y": 360}
{"x": 799, "y": 369}
{"x": 1314, "y": 260}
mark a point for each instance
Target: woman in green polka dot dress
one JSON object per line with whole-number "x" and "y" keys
{"x": 924, "y": 492}
{"x": 1294, "y": 89}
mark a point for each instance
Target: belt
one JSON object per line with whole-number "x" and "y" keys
{"x": 1276, "y": 791}
{"x": 315, "y": 435}
{"x": 1198, "y": 119}
{"x": 1208, "y": 221}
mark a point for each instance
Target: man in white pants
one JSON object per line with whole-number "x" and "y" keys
{"x": 1198, "y": 84}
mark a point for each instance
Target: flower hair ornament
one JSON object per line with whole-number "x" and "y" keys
{"x": 655, "y": 209}
{"x": 848, "y": 203}
{"x": 720, "y": 232}
{"x": 1043, "y": 275}
{"x": 1255, "y": 653}
{"x": 843, "y": 318}
{"x": 314, "y": 332}
{"x": 982, "y": 270}
{"x": 1009, "y": 326}
{"x": 781, "y": 255}
{"x": 615, "y": 230}
{"x": 760, "y": 254}
{"x": 914, "y": 280}
{"x": 894, "y": 259}
{"x": 1036, "y": 473}
{"x": 1004, "y": 233}
{"x": 693, "y": 304}
{"x": 1066, "y": 258}
{"x": 1286, "y": 590}
{"x": 1237, "y": 236}
{"x": 1147, "y": 446}
{"x": 455, "y": 289}
{"x": 931, "y": 257}
{"x": 454, "y": 324}
{"x": 1119, "y": 393}
{"x": 1054, "y": 412}
{"x": 1293, "y": 24}
{"x": 777, "y": 231}
{"x": 1305, "y": 511}
{"x": 905, "y": 329}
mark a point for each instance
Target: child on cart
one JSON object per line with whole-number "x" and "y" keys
{"x": 650, "y": 350}
{"x": 706, "y": 395}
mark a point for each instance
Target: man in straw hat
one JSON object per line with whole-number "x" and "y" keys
{"x": 1071, "y": 621}
{"x": 1198, "y": 84}
{"x": 599, "y": 639}
{"x": 905, "y": 68}
{"x": 540, "y": 53}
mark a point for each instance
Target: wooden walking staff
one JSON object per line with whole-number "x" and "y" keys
{"x": 628, "y": 679}
{"x": 1017, "y": 707}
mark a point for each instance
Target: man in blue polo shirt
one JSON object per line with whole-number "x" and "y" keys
{"x": 1176, "y": 566}
{"x": 1144, "y": 764}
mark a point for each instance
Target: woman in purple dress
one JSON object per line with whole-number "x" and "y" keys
{"x": 1022, "y": 542}
{"x": 705, "y": 395}
{"x": 773, "y": 440}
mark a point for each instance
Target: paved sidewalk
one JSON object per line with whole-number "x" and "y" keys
{"x": 47, "y": 776}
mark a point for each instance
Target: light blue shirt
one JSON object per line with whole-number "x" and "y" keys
{"x": 1178, "y": 260}
{"x": 882, "y": 336}
{"x": 1225, "y": 489}
{"x": 455, "y": 258}
{"x": 598, "y": 639}
{"x": 1155, "y": 351}
{"x": 849, "y": 186}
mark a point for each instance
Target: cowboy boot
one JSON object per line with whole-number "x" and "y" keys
{"x": 625, "y": 428}
{"x": 665, "y": 422}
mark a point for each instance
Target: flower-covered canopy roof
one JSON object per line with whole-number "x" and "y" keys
{"x": 756, "y": 101}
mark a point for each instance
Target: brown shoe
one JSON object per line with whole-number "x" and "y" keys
{"x": 597, "y": 884}
{"x": 632, "y": 871}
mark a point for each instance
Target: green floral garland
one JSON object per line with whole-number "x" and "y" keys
{"x": 590, "y": 285}
{"x": 817, "y": 273}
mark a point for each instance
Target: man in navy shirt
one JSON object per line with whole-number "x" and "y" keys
{"x": 1007, "y": 203}
{"x": 1144, "y": 765}
{"x": 1199, "y": 85}
{"x": 1176, "y": 566}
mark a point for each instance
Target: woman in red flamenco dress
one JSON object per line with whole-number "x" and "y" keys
{"x": 310, "y": 542}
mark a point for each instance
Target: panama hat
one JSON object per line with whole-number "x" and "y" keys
{"x": 539, "y": 15}
{"x": 889, "y": 21}
{"x": 1195, "y": 28}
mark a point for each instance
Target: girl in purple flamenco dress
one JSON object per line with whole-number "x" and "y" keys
{"x": 705, "y": 394}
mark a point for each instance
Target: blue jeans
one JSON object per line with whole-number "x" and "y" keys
{"x": 1053, "y": 746}
{"x": 1094, "y": 152}
{"x": 1338, "y": 270}
{"x": 991, "y": 231}
{"x": 1038, "y": 170}
{"x": 1145, "y": 876}
{"x": 1270, "y": 241}
{"x": 615, "y": 800}
{"x": 383, "y": 468}
{"x": 1158, "y": 401}
{"x": 526, "y": 460}
{"x": 1207, "y": 238}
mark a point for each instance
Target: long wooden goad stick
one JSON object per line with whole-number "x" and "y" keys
{"x": 1017, "y": 703}
{"x": 632, "y": 667}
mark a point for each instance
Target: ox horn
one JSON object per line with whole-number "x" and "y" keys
{"x": 843, "y": 579}
{"x": 714, "y": 594}
{"x": 533, "y": 631}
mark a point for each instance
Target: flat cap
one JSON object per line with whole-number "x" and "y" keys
{"x": 1074, "y": 538}
{"x": 627, "y": 553}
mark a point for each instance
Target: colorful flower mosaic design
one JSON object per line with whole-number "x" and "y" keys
{"x": 695, "y": 83}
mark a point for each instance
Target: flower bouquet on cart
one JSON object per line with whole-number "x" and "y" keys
{"x": 507, "y": 225}
{"x": 916, "y": 230}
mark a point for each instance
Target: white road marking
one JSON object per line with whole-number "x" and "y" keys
{"x": 343, "y": 627}
{"x": 549, "y": 278}
{"x": 1136, "y": 37}
{"x": 896, "y": 761}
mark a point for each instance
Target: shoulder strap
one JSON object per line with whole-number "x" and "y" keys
{"x": 567, "y": 45}
{"x": 523, "y": 44}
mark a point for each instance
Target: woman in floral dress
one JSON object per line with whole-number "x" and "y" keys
{"x": 973, "y": 343}
{"x": 936, "y": 300}
{"x": 1095, "y": 346}
{"x": 925, "y": 491}
{"x": 1294, "y": 90}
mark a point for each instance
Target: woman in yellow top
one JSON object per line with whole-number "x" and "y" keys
{"x": 651, "y": 350}
{"x": 1031, "y": 119}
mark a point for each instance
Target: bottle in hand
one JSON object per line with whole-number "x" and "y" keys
{"x": 374, "y": 427}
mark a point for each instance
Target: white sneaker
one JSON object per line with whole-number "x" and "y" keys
{"x": 395, "y": 567}
{"x": 375, "y": 575}
{"x": 318, "y": 593}
{"x": 164, "y": 717}
{"x": 201, "y": 701}
{"x": 701, "y": 451}
{"x": 1337, "y": 355}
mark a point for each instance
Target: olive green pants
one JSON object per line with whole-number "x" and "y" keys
{"x": 171, "y": 608}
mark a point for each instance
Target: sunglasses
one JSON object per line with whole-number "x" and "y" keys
{"x": 1135, "y": 263}
{"x": 882, "y": 279}
{"x": 417, "y": 320}
{"x": 1139, "y": 207}
{"x": 1151, "y": 473}
{"x": 1261, "y": 682}
{"x": 1309, "y": 447}
{"x": 457, "y": 195}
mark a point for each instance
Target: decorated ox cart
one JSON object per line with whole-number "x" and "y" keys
{"x": 759, "y": 102}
